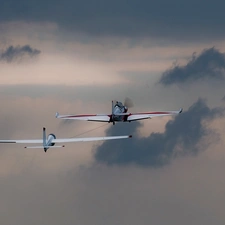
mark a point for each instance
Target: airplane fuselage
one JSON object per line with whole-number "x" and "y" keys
{"x": 49, "y": 142}
{"x": 118, "y": 109}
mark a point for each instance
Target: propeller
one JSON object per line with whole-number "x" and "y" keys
{"x": 128, "y": 103}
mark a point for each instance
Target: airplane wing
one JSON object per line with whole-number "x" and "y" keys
{"x": 89, "y": 139}
{"x": 96, "y": 117}
{"x": 149, "y": 115}
{"x": 35, "y": 141}
{"x": 61, "y": 140}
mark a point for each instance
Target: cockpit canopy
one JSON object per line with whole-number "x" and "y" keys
{"x": 120, "y": 104}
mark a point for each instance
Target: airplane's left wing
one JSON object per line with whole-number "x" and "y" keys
{"x": 91, "y": 117}
{"x": 35, "y": 141}
{"x": 61, "y": 140}
{"x": 149, "y": 115}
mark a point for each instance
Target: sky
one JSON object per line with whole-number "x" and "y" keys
{"x": 76, "y": 57}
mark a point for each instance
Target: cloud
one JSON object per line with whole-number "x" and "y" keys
{"x": 39, "y": 181}
{"x": 181, "y": 137}
{"x": 17, "y": 53}
{"x": 148, "y": 18}
{"x": 210, "y": 64}
{"x": 182, "y": 193}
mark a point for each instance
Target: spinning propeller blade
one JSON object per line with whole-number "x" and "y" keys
{"x": 128, "y": 103}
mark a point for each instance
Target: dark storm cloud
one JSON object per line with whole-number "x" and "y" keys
{"x": 181, "y": 137}
{"x": 19, "y": 52}
{"x": 210, "y": 64}
{"x": 183, "y": 19}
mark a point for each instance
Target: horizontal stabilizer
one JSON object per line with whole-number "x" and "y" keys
{"x": 59, "y": 146}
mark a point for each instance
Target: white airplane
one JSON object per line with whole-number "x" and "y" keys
{"x": 119, "y": 114}
{"x": 50, "y": 141}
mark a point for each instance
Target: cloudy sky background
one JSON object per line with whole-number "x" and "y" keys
{"x": 75, "y": 57}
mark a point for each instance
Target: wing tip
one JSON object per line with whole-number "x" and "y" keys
{"x": 130, "y": 136}
{"x": 57, "y": 115}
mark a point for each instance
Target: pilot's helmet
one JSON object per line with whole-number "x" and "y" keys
{"x": 119, "y": 104}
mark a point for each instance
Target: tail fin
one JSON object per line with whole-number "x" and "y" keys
{"x": 113, "y": 113}
{"x": 44, "y": 137}
{"x": 112, "y": 107}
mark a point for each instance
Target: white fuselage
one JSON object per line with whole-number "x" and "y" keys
{"x": 49, "y": 140}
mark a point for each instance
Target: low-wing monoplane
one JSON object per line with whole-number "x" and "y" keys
{"x": 119, "y": 114}
{"x": 51, "y": 140}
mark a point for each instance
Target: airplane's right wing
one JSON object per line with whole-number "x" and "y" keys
{"x": 149, "y": 115}
{"x": 92, "y": 117}
{"x": 64, "y": 140}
